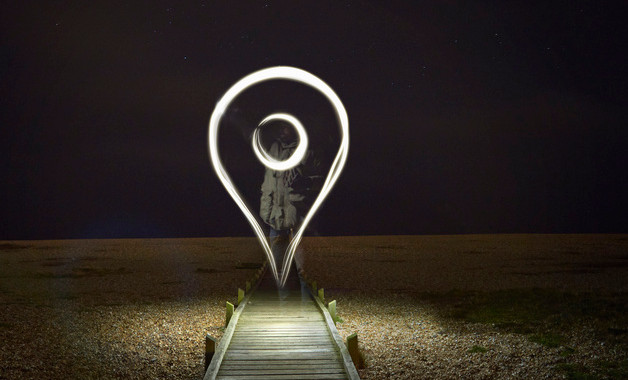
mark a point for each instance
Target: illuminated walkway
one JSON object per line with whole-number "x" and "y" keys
{"x": 281, "y": 335}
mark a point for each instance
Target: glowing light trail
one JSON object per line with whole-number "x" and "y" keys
{"x": 297, "y": 75}
{"x": 296, "y": 156}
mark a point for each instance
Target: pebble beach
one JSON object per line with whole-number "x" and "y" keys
{"x": 140, "y": 308}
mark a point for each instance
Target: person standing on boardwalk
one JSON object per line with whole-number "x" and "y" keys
{"x": 285, "y": 193}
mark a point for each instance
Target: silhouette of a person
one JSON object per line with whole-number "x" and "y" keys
{"x": 285, "y": 193}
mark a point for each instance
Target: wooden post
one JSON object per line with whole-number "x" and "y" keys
{"x": 352, "y": 346}
{"x": 248, "y": 286}
{"x": 229, "y": 313}
{"x": 332, "y": 310}
{"x": 210, "y": 348}
{"x": 240, "y": 295}
{"x": 321, "y": 295}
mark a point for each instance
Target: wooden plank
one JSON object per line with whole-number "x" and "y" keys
{"x": 270, "y": 367}
{"x": 296, "y": 351}
{"x": 292, "y": 313}
{"x": 277, "y": 333}
{"x": 280, "y": 355}
{"x": 312, "y": 339}
{"x": 305, "y": 329}
{"x": 282, "y": 371}
{"x": 302, "y": 326}
{"x": 244, "y": 342}
{"x": 284, "y": 377}
{"x": 292, "y": 323}
{"x": 286, "y": 332}
{"x": 282, "y": 362}
{"x": 295, "y": 326}
{"x": 273, "y": 345}
{"x": 267, "y": 338}
{"x": 277, "y": 339}
{"x": 269, "y": 363}
{"x": 282, "y": 317}
{"x": 276, "y": 346}
{"x": 237, "y": 345}
{"x": 261, "y": 342}
{"x": 312, "y": 350}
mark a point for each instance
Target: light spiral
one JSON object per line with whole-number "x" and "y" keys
{"x": 298, "y": 154}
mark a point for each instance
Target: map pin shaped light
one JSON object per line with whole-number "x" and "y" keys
{"x": 297, "y": 75}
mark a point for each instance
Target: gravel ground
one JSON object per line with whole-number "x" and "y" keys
{"x": 390, "y": 289}
{"x": 106, "y": 309}
{"x": 141, "y": 308}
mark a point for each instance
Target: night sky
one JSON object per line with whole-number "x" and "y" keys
{"x": 465, "y": 116}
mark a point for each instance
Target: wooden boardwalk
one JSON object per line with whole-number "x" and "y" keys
{"x": 281, "y": 334}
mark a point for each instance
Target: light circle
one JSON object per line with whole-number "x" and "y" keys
{"x": 295, "y": 158}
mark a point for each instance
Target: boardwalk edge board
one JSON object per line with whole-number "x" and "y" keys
{"x": 352, "y": 372}
{"x": 212, "y": 369}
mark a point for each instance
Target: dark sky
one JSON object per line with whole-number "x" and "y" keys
{"x": 465, "y": 116}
